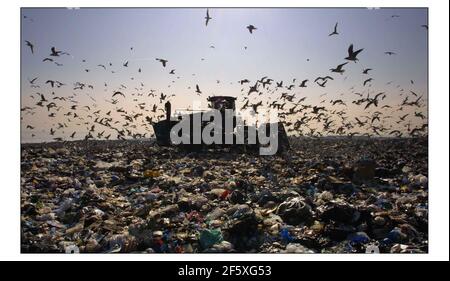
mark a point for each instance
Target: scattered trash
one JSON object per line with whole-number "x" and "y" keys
{"x": 209, "y": 237}
{"x": 359, "y": 238}
{"x": 285, "y": 236}
{"x": 372, "y": 249}
{"x": 294, "y": 248}
{"x": 130, "y": 196}
{"x": 364, "y": 170}
{"x": 295, "y": 211}
{"x": 72, "y": 249}
{"x": 151, "y": 174}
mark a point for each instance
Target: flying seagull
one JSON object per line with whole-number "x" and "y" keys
{"x": 303, "y": 84}
{"x": 51, "y": 82}
{"x": 389, "y": 53}
{"x": 334, "y": 31}
{"x": 251, "y": 28}
{"x": 163, "y": 61}
{"x": 207, "y": 18}
{"x": 323, "y": 83}
{"x": 30, "y": 45}
{"x": 413, "y": 93}
{"x": 366, "y": 70}
{"x": 352, "y": 54}
{"x": 197, "y": 89}
{"x": 55, "y": 53}
{"x": 118, "y": 93}
{"x": 323, "y": 78}
{"x": 367, "y": 81}
{"x": 338, "y": 68}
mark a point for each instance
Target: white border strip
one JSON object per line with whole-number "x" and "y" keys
{"x": 438, "y": 146}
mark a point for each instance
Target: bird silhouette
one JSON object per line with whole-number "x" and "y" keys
{"x": 118, "y": 93}
{"x": 251, "y": 28}
{"x": 253, "y": 88}
{"x": 414, "y": 131}
{"x": 366, "y": 70}
{"x": 207, "y": 18}
{"x": 30, "y": 45}
{"x": 334, "y": 31}
{"x": 338, "y": 68}
{"x": 323, "y": 78}
{"x": 352, "y": 54}
{"x": 197, "y": 89}
{"x": 51, "y": 82}
{"x": 163, "y": 61}
{"x": 420, "y": 115}
{"x": 255, "y": 106}
{"x": 414, "y": 94}
{"x": 322, "y": 84}
{"x": 367, "y": 81}
{"x": 54, "y": 52}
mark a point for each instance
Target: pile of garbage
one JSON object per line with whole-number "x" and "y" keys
{"x": 324, "y": 196}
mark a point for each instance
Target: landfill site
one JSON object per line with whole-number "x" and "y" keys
{"x": 325, "y": 195}
{"x": 224, "y": 130}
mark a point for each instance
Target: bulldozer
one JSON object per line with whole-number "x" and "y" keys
{"x": 229, "y": 134}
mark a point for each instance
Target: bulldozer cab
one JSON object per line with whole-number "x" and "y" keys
{"x": 222, "y": 102}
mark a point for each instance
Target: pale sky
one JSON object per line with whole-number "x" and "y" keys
{"x": 280, "y": 48}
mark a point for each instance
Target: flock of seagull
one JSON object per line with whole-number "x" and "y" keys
{"x": 299, "y": 117}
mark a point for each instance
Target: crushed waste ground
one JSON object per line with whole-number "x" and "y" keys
{"x": 325, "y": 195}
